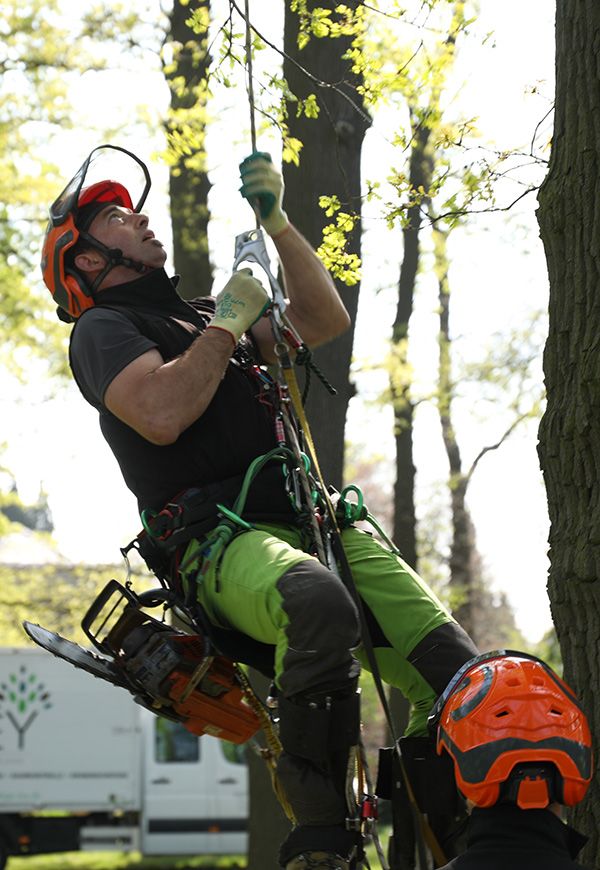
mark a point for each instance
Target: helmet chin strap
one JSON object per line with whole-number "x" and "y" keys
{"x": 115, "y": 257}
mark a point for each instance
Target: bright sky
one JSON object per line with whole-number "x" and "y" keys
{"x": 498, "y": 274}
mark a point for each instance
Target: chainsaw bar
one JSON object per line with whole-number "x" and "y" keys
{"x": 76, "y": 655}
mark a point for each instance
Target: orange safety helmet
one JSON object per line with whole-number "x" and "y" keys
{"x": 70, "y": 216}
{"x": 515, "y": 732}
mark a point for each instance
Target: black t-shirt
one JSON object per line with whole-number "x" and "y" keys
{"x": 104, "y": 343}
{"x": 220, "y": 445}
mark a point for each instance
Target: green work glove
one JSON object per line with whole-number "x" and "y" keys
{"x": 241, "y": 302}
{"x": 262, "y": 186}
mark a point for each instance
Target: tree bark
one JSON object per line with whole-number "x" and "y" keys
{"x": 569, "y": 435}
{"x": 329, "y": 165}
{"x": 188, "y": 181}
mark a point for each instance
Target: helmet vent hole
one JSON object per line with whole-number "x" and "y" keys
{"x": 555, "y": 712}
{"x": 513, "y": 681}
{"x": 502, "y": 713}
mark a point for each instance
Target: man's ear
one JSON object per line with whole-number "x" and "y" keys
{"x": 89, "y": 261}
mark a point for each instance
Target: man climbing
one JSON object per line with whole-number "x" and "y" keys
{"x": 521, "y": 747}
{"x": 184, "y": 403}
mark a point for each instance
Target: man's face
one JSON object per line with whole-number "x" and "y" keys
{"x": 119, "y": 227}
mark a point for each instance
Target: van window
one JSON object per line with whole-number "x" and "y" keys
{"x": 234, "y": 752}
{"x": 173, "y": 742}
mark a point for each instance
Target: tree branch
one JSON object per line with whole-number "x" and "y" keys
{"x": 495, "y": 446}
{"x": 319, "y": 82}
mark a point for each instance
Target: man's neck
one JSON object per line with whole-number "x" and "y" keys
{"x": 122, "y": 275}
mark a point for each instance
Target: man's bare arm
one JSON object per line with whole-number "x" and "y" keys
{"x": 160, "y": 400}
{"x": 315, "y": 309}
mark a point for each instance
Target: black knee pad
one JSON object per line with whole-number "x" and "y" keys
{"x": 441, "y": 653}
{"x": 316, "y": 600}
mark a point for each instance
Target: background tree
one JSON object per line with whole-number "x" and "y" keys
{"x": 569, "y": 436}
{"x": 187, "y": 73}
{"x": 54, "y": 594}
{"x": 326, "y": 114}
{"x": 419, "y": 77}
{"x": 505, "y": 373}
{"x": 435, "y": 166}
{"x": 34, "y": 70}
{"x": 396, "y": 70}
{"x": 36, "y": 517}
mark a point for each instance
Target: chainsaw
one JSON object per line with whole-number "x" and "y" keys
{"x": 173, "y": 674}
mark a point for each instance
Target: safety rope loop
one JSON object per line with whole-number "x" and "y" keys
{"x": 351, "y": 512}
{"x": 383, "y": 535}
{"x": 146, "y": 517}
{"x": 230, "y": 519}
{"x": 304, "y": 357}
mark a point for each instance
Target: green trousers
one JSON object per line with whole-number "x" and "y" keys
{"x": 269, "y": 589}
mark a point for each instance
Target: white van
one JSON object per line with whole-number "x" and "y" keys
{"x": 114, "y": 775}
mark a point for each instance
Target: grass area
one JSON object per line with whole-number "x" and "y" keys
{"x": 134, "y": 861}
{"x": 123, "y": 861}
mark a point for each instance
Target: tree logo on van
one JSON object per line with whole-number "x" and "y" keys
{"x": 22, "y": 699}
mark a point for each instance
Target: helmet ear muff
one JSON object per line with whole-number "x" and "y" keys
{"x": 67, "y": 287}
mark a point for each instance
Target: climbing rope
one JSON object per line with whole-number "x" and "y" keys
{"x": 250, "y": 76}
{"x": 271, "y": 753}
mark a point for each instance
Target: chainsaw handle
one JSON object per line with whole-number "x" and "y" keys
{"x": 97, "y": 608}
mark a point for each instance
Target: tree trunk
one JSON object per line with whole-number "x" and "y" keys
{"x": 465, "y": 565}
{"x": 420, "y": 174}
{"x": 267, "y": 825}
{"x": 569, "y": 436}
{"x": 188, "y": 180}
{"x": 329, "y": 165}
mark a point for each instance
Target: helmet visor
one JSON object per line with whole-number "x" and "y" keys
{"x": 105, "y": 161}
